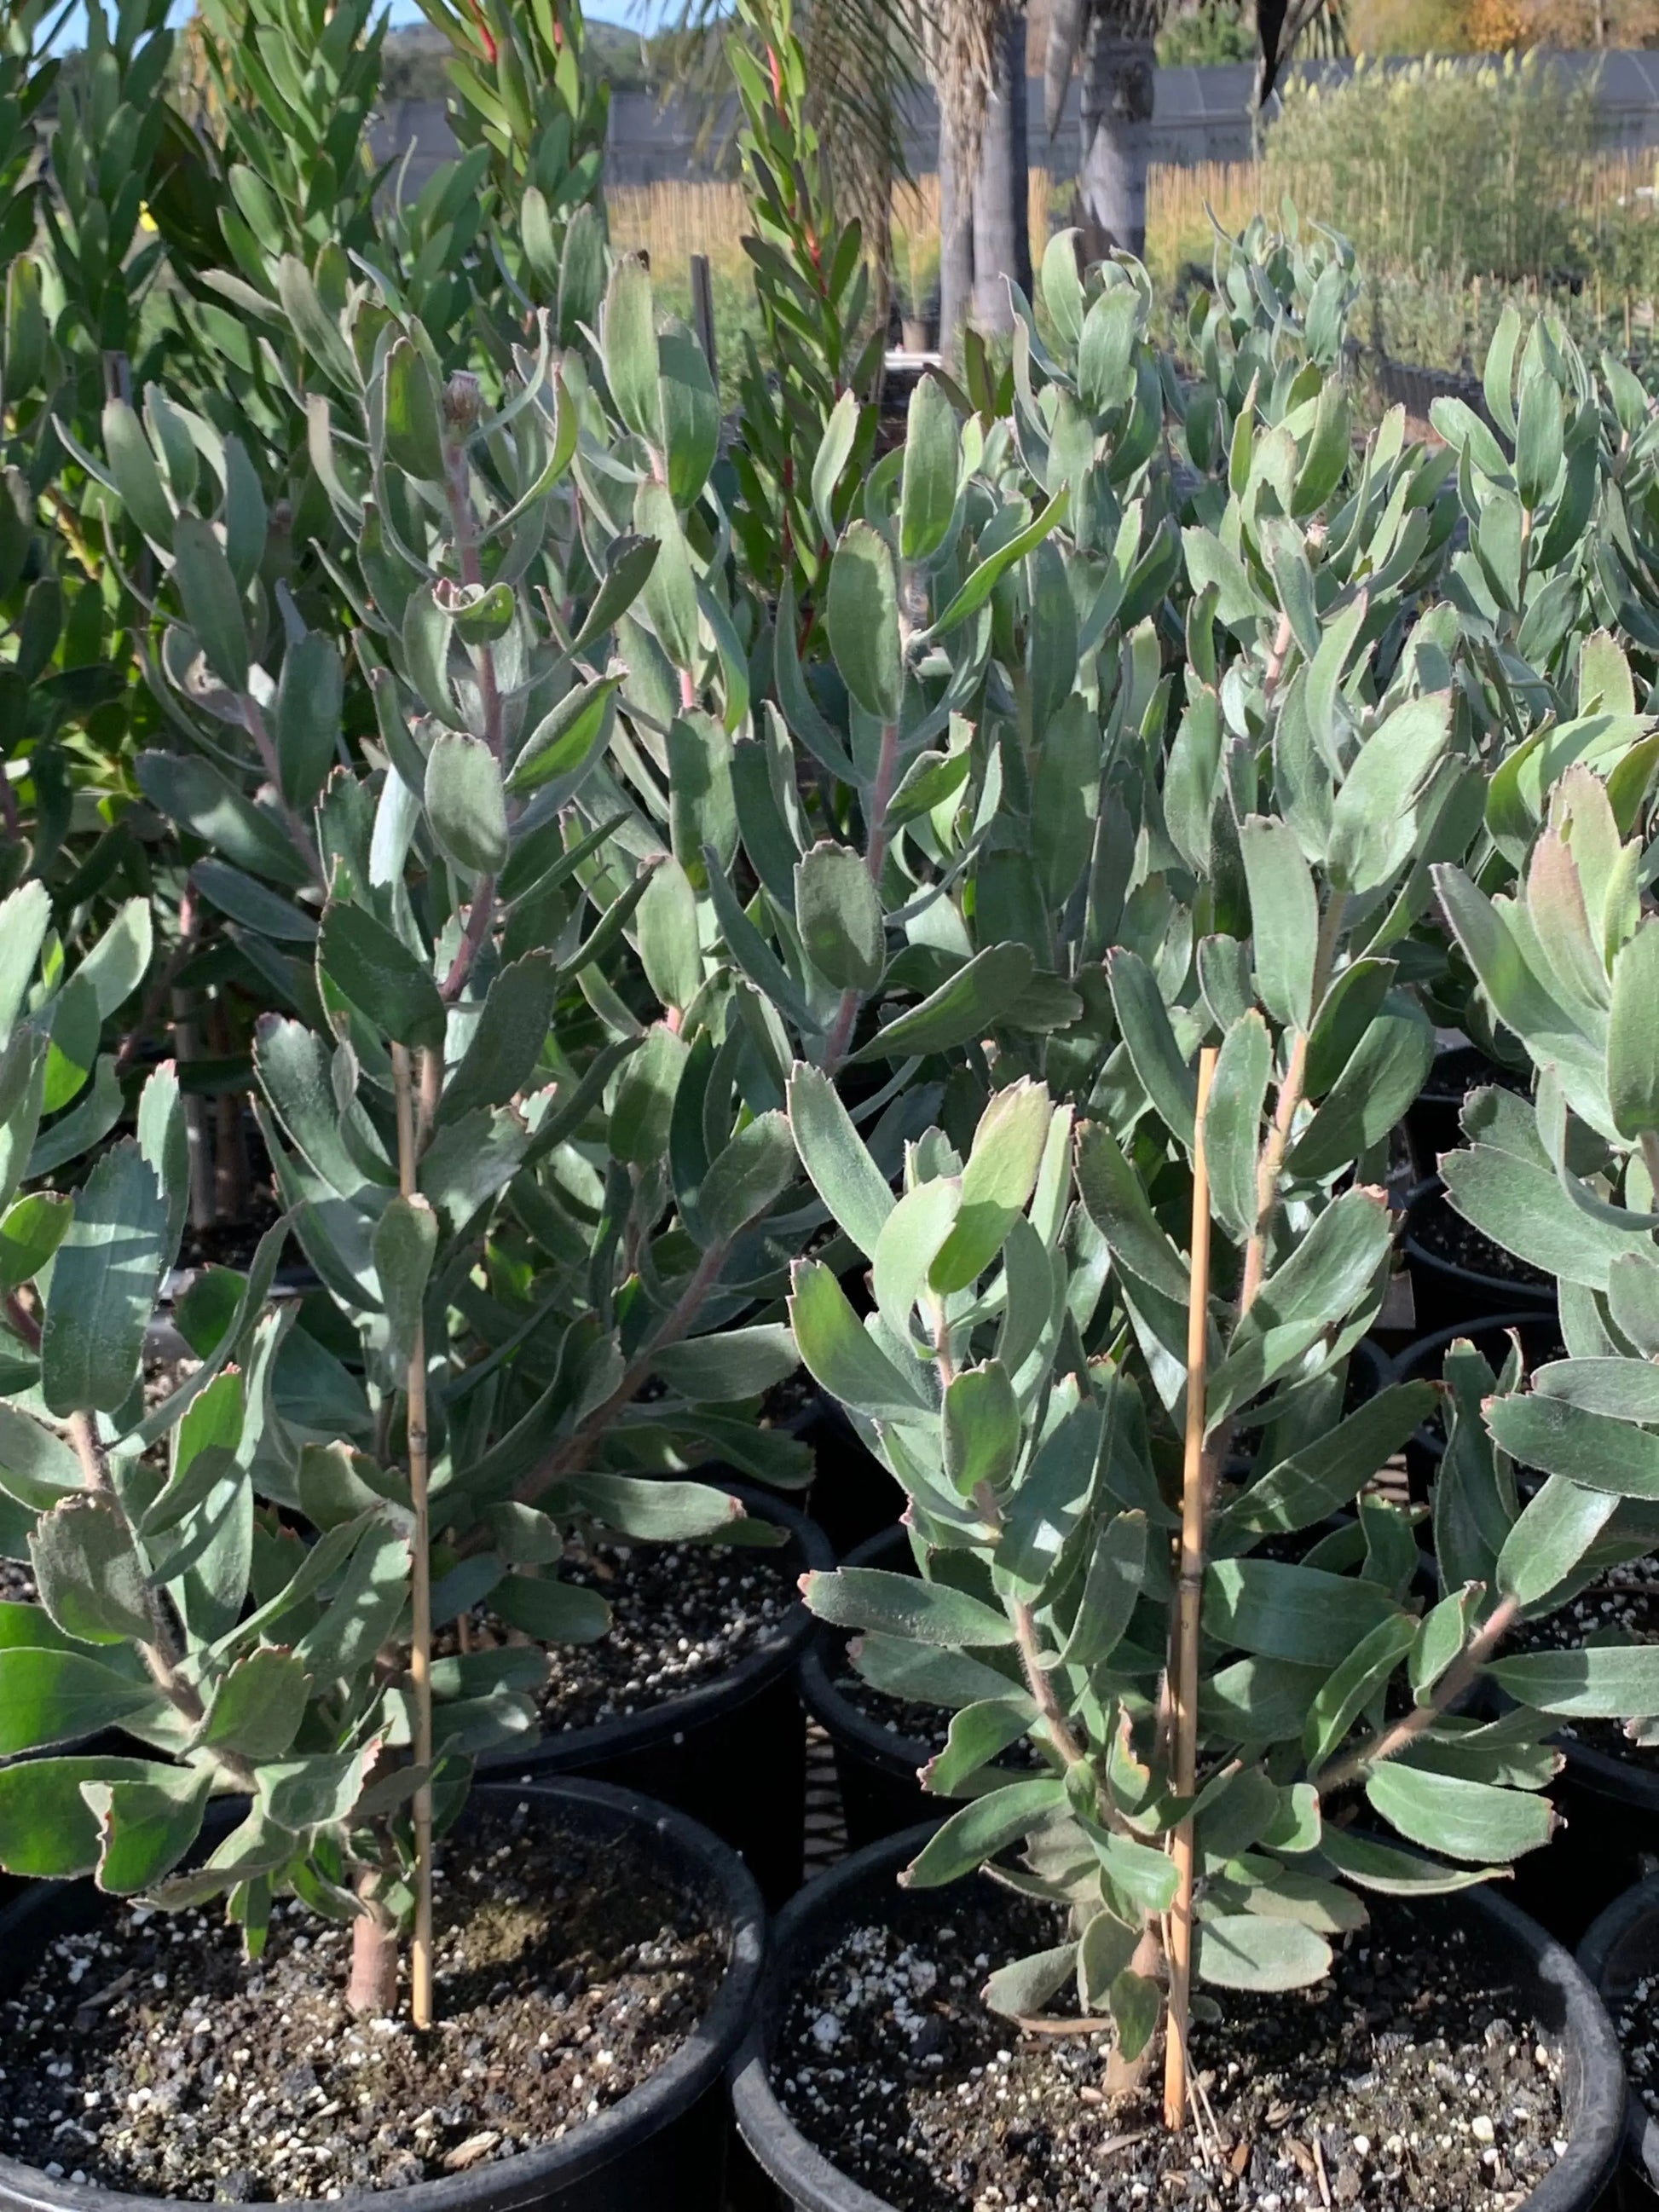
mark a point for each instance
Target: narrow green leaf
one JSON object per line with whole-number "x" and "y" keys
{"x": 213, "y": 605}
{"x": 106, "y": 1276}
{"x": 466, "y": 803}
{"x": 414, "y": 432}
{"x": 840, "y": 1354}
{"x": 840, "y": 917}
{"x": 380, "y": 975}
{"x": 1283, "y": 918}
{"x": 904, "y": 1605}
{"x": 996, "y": 1183}
{"x": 834, "y": 1156}
{"x": 983, "y": 992}
{"x": 981, "y": 1829}
{"x": 861, "y": 617}
{"x": 1469, "y": 1820}
{"x": 927, "y": 490}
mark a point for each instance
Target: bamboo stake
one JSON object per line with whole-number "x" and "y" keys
{"x": 1190, "y": 1590}
{"x": 420, "y": 1649}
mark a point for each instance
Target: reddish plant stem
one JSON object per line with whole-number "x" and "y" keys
{"x": 372, "y": 1991}
{"x": 574, "y": 1450}
{"x": 304, "y": 843}
{"x": 420, "y": 1642}
{"x": 479, "y": 916}
{"x": 1457, "y": 1677}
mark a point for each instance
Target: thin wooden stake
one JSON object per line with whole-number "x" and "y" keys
{"x": 1189, "y": 1594}
{"x": 420, "y": 1649}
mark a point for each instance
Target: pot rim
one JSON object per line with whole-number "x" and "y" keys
{"x": 832, "y": 1709}
{"x": 727, "y": 1886}
{"x": 1594, "y": 1954}
{"x": 572, "y": 1750}
{"x": 1573, "y": 2183}
{"x": 1402, "y": 1368}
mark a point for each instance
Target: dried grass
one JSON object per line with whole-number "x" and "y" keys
{"x": 670, "y": 223}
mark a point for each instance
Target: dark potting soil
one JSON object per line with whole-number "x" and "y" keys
{"x": 151, "y": 2056}
{"x": 1405, "y": 2080}
{"x": 16, "y": 1583}
{"x": 681, "y": 1615}
{"x": 1448, "y": 1236}
{"x": 923, "y": 1727}
{"x": 1622, "y": 1606}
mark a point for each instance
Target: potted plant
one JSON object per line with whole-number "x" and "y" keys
{"x": 587, "y": 1375}
{"x": 258, "y": 1609}
{"x": 1617, "y": 1953}
{"x": 1103, "y": 1358}
{"x": 1583, "y": 1145}
{"x": 1043, "y": 1613}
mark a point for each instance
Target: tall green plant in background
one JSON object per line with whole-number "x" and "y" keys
{"x": 812, "y": 286}
{"x": 1473, "y": 162}
{"x": 526, "y": 96}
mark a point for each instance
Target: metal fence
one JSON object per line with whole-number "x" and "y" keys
{"x": 1199, "y": 115}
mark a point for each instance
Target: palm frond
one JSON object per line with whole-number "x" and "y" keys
{"x": 862, "y": 59}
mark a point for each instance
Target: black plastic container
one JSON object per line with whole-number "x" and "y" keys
{"x": 876, "y": 1766}
{"x": 1545, "y": 1979}
{"x": 853, "y": 1497}
{"x": 1445, "y": 1295}
{"x": 1432, "y": 1124}
{"x": 1608, "y": 1838}
{"x": 1422, "y": 1360}
{"x": 664, "y": 2146}
{"x": 1620, "y": 1950}
{"x": 731, "y": 1752}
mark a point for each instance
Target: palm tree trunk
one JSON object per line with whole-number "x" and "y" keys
{"x": 1019, "y": 184}
{"x": 1002, "y": 245}
{"x": 1117, "y": 134}
{"x": 955, "y": 249}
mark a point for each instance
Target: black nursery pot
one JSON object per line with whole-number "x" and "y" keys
{"x": 1446, "y": 1293}
{"x": 1544, "y": 1977}
{"x": 732, "y": 1753}
{"x": 1422, "y": 1362}
{"x": 1432, "y": 1122}
{"x": 1620, "y": 1950}
{"x": 663, "y": 2146}
{"x": 852, "y": 1496}
{"x": 1608, "y": 1836}
{"x": 875, "y": 1766}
